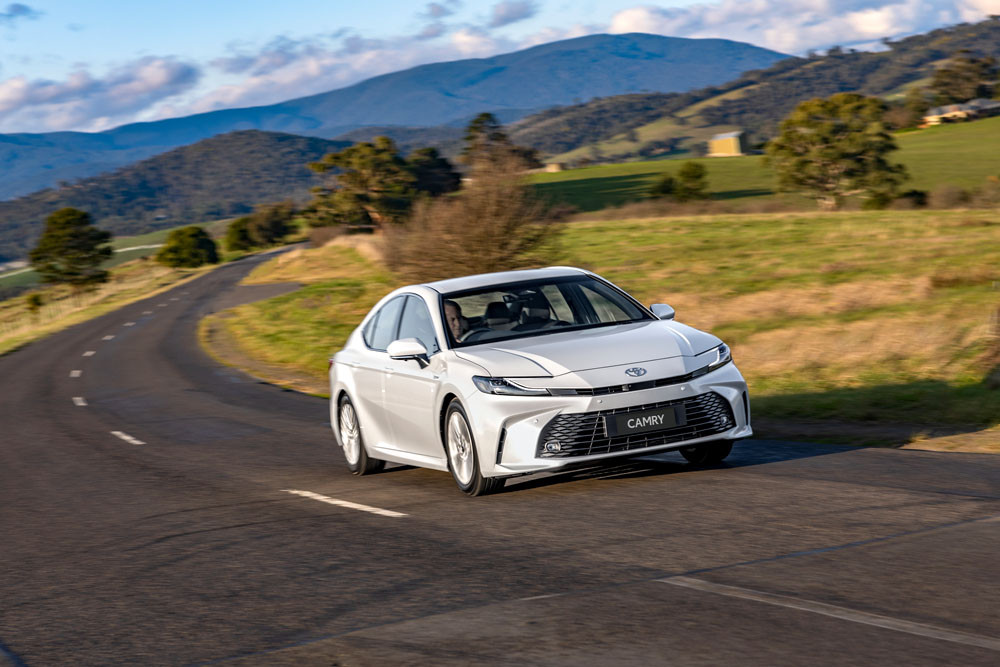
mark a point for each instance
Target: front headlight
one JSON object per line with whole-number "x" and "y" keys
{"x": 722, "y": 356}
{"x": 503, "y": 387}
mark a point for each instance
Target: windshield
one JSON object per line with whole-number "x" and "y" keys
{"x": 534, "y": 308}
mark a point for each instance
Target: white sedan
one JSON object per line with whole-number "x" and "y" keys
{"x": 505, "y": 374}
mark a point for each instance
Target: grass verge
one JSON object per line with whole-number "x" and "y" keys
{"x": 130, "y": 282}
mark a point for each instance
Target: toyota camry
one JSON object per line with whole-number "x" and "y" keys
{"x": 505, "y": 374}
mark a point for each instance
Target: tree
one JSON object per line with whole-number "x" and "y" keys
{"x": 495, "y": 223}
{"x": 691, "y": 182}
{"x": 238, "y": 234}
{"x": 486, "y": 141}
{"x": 433, "y": 173}
{"x": 188, "y": 247}
{"x": 373, "y": 185}
{"x": 484, "y": 136}
{"x": 270, "y": 223}
{"x": 833, "y": 148}
{"x": 662, "y": 187}
{"x": 71, "y": 250}
{"x": 963, "y": 78}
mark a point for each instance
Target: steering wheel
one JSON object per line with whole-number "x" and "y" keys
{"x": 473, "y": 334}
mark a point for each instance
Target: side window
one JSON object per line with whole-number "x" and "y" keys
{"x": 558, "y": 303}
{"x": 385, "y": 326}
{"x": 417, "y": 323}
{"x": 369, "y": 331}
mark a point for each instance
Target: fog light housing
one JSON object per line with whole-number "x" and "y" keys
{"x": 552, "y": 446}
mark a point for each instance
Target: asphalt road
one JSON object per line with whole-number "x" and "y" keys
{"x": 188, "y": 548}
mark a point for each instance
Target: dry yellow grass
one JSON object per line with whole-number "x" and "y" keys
{"x": 132, "y": 281}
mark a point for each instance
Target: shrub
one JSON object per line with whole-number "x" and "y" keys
{"x": 188, "y": 247}
{"x": 691, "y": 182}
{"x": 662, "y": 187}
{"x": 496, "y": 223}
{"x": 948, "y": 196}
{"x": 238, "y": 235}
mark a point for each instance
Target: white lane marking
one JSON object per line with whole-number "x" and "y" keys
{"x": 79, "y": 401}
{"x": 127, "y": 438}
{"x": 343, "y": 503}
{"x": 129, "y": 324}
{"x": 89, "y": 353}
{"x": 147, "y": 312}
{"x": 75, "y": 374}
{"x": 174, "y": 298}
{"x": 161, "y": 305}
{"x": 108, "y": 338}
{"x": 887, "y": 622}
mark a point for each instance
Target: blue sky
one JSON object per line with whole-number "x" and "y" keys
{"x": 94, "y": 64}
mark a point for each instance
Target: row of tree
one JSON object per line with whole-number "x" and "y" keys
{"x": 370, "y": 186}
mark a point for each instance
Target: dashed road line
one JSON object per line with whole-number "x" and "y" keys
{"x": 147, "y": 312}
{"x": 108, "y": 337}
{"x": 75, "y": 374}
{"x": 129, "y": 324}
{"x": 161, "y": 305}
{"x": 843, "y": 613}
{"x": 79, "y": 401}
{"x": 344, "y": 503}
{"x": 89, "y": 353}
{"x": 174, "y": 298}
{"x": 127, "y": 438}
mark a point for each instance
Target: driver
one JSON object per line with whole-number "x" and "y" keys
{"x": 453, "y": 316}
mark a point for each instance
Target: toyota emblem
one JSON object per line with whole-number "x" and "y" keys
{"x": 636, "y": 372}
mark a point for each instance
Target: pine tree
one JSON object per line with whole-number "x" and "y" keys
{"x": 71, "y": 250}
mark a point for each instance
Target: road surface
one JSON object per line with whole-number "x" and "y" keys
{"x": 158, "y": 508}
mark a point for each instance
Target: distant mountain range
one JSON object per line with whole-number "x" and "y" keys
{"x": 220, "y": 177}
{"x": 512, "y": 85}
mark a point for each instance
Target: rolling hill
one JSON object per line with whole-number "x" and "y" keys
{"x": 512, "y": 85}
{"x": 620, "y": 127}
{"x": 215, "y": 178}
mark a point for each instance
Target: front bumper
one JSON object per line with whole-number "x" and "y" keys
{"x": 510, "y": 430}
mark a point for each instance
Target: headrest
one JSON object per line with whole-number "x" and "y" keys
{"x": 497, "y": 310}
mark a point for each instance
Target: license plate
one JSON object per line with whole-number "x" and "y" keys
{"x": 645, "y": 421}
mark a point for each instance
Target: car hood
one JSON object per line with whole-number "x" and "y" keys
{"x": 555, "y": 354}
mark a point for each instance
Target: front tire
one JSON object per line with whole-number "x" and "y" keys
{"x": 707, "y": 454}
{"x": 463, "y": 459}
{"x": 358, "y": 461}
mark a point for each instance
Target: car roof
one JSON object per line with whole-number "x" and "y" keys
{"x": 503, "y": 278}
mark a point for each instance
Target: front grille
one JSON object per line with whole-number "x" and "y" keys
{"x": 583, "y": 434}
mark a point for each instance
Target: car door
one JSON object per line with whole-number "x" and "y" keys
{"x": 369, "y": 370}
{"x": 412, "y": 386}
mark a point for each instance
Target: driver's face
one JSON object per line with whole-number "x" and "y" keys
{"x": 454, "y": 319}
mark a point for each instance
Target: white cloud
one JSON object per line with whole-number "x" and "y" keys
{"x": 512, "y": 11}
{"x": 795, "y": 26}
{"x": 83, "y": 101}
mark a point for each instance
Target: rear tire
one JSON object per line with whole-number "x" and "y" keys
{"x": 349, "y": 428}
{"x": 707, "y": 454}
{"x": 463, "y": 459}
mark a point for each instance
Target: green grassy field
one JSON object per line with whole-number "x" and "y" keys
{"x": 963, "y": 154}
{"x": 878, "y": 317}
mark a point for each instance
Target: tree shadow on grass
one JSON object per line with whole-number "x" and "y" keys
{"x": 886, "y": 415}
{"x": 740, "y": 194}
{"x": 592, "y": 194}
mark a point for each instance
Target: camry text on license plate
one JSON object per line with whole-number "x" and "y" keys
{"x": 645, "y": 421}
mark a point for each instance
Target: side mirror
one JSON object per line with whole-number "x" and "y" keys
{"x": 407, "y": 348}
{"x": 662, "y": 311}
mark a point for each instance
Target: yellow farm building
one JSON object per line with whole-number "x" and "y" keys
{"x": 728, "y": 144}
